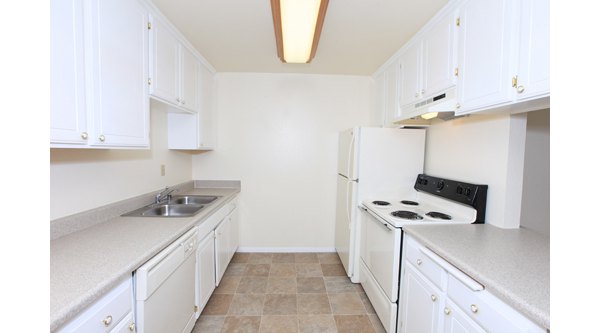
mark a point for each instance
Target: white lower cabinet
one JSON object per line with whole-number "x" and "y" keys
{"x": 226, "y": 240}
{"x": 421, "y": 303}
{"x": 112, "y": 313}
{"x": 205, "y": 270}
{"x": 456, "y": 321}
{"x": 459, "y": 305}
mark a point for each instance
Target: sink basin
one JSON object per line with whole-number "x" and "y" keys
{"x": 178, "y": 206}
{"x": 172, "y": 210}
{"x": 193, "y": 199}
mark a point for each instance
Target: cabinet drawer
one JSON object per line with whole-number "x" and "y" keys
{"x": 126, "y": 325}
{"x": 423, "y": 263}
{"x": 487, "y": 310}
{"x": 104, "y": 315}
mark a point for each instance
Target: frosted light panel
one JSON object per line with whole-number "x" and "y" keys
{"x": 298, "y": 23}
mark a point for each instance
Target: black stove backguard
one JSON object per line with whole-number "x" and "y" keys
{"x": 468, "y": 194}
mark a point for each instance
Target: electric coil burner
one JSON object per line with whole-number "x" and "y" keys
{"x": 381, "y": 203}
{"x": 438, "y": 215}
{"x": 409, "y": 202}
{"x": 404, "y": 214}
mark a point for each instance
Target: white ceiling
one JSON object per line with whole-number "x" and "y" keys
{"x": 357, "y": 37}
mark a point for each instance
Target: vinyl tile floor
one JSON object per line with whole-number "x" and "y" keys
{"x": 287, "y": 292}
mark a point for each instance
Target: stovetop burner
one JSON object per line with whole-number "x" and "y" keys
{"x": 438, "y": 215}
{"x": 381, "y": 203}
{"x": 409, "y": 203}
{"x": 404, "y": 214}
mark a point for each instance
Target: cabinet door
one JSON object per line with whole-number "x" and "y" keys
{"x": 379, "y": 85}
{"x": 438, "y": 57}
{"x": 222, "y": 248}
{"x": 392, "y": 109}
{"x": 410, "y": 85}
{"x": 164, "y": 63}
{"x": 456, "y": 321}
{"x": 484, "y": 52}
{"x": 534, "y": 49}
{"x": 420, "y": 304}
{"x": 207, "y": 120}
{"x": 205, "y": 260}
{"x": 67, "y": 86}
{"x": 119, "y": 61}
{"x": 190, "y": 68}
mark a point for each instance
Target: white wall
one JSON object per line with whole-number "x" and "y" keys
{"x": 82, "y": 179}
{"x": 535, "y": 214}
{"x": 278, "y": 135}
{"x": 482, "y": 149}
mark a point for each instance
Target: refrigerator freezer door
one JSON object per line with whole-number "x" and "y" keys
{"x": 346, "y": 153}
{"x": 344, "y": 230}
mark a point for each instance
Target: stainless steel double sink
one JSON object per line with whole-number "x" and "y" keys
{"x": 176, "y": 206}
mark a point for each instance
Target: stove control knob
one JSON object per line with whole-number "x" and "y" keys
{"x": 459, "y": 189}
{"x": 440, "y": 185}
{"x": 467, "y": 191}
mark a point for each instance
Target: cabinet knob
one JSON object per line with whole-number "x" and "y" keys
{"x": 520, "y": 89}
{"x": 132, "y": 327}
{"x": 447, "y": 311}
{"x": 178, "y": 100}
{"x": 422, "y": 91}
{"x": 417, "y": 94}
{"x": 457, "y": 106}
{"x": 102, "y": 138}
{"x": 106, "y": 321}
{"x": 183, "y": 101}
{"x": 419, "y": 262}
{"x": 474, "y": 308}
{"x": 84, "y": 135}
{"x": 433, "y": 298}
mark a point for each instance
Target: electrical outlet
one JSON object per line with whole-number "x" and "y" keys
{"x": 162, "y": 170}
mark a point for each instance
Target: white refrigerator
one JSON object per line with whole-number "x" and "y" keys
{"x": 372, "y": 163}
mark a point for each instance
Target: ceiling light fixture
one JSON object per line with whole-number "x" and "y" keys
{"x": 298, "y": 25}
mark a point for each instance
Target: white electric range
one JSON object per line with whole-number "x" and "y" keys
{"x": 433, "y": 200}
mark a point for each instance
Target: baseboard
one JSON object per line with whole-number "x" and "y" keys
{"x": 285, "y": 249}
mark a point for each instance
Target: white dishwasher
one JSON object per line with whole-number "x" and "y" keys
{"x": 165, "y": 289}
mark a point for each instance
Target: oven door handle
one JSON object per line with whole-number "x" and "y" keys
{"x": 382, "y": 222}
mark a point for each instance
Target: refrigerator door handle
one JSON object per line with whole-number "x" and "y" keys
{"x": 348, "y": 203}
{"x": 350, "y": 157}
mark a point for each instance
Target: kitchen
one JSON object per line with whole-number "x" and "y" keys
{"x": 269, "y": 136}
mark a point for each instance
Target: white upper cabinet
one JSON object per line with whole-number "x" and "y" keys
{"x": 118, "y": 39}
{"x": 410, "y": 76}
{"x": 484, "y": 51}
{"x": 533, "y": 74}
{"x": 174, "y": 69}
{"x": 99, "y": 73}
{"x": 196, "y": 131}
{"x": 68, "y": 123}
{"x": 439, "y": 58}
{"x": 427, "y": 63}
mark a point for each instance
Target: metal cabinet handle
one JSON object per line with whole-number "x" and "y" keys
{"x": 102, "y": 138}
{"x": 132, "y": 327}
{"x": 474, "y": 308}
{"x": 520, "y": 89}
{"x": 178, "y": 99}
{"x": 447, "y": 311}
{"x": 106, "y": 321}
{"x": 84, "y": 135}
{"x": 433, "y": 298}
{"x": 419, "y": 262}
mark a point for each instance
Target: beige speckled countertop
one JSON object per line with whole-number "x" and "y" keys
{"x": 513, "y": 264}
{"x": 86, "y": 264}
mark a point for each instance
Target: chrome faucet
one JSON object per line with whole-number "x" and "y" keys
{"x": 166, "y": 193}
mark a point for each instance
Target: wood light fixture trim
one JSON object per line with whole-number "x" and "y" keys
{"x": 276, "y": 11}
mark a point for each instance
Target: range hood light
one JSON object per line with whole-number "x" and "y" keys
{"x": 429, "y": 115}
